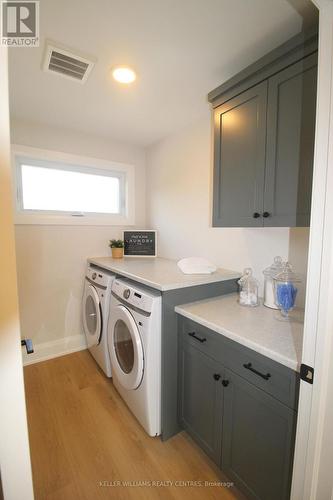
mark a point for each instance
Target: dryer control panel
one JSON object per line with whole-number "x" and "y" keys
{"x": 135, "y": 296}
{"x": 98, "y": 276}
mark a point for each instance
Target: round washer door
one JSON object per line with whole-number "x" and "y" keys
{"x": 125, "y": 348}
{"x": 92, "y": 315}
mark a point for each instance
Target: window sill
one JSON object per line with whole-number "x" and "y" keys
{"x": 53, "y": 220}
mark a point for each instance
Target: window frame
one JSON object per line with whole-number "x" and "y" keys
{"x": 66, "y": 167}
{"x": 62, "y": 161}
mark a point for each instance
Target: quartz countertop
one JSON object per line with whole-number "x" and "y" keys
{"x": 254, "y": 327}
{"x": 161, "y": 274}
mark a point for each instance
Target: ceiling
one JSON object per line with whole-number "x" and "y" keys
{"x": 180, "y": 49}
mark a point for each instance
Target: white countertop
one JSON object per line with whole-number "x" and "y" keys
{"x": 161, "y": 274}
{"x": 254, "y": 327}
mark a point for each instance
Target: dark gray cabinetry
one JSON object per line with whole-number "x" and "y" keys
{"x": 264, "y": 123}
{"x": 240, "y": 407}
{"x": 170, "y": 378}
{"x": 291, "y": 113}
{"x": 201, "y": 400}
{"x": 239, "y": 149}
{"x": 258, "y": 437}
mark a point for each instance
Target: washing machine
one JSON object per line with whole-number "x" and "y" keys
{"x": 95, "y": 313}
{"x": 134, "y": 338}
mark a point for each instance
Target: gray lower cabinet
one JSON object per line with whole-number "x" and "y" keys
{"x": 258, "y": 437}
{"x": 170, "y": 345}
{"x": 201, "y": 400}
{"x": 264, "y": 142}
{"x": 240, "y": 407}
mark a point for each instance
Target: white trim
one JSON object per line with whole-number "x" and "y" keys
{"x": 126, "y": 219}
{"x": 318, "y": 325}
{"x": 54, "y": 349}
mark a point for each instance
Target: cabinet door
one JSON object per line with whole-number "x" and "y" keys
{"x": 258, "y": 437}
{"x": 201, "y": 400}
{"x": 239, "y": 159}
{"x": 291, "y": 117}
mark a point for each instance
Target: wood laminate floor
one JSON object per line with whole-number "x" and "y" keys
{"x": 85, "y": 443}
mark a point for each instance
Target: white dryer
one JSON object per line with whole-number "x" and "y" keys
{"x": 95, "y": 313}
{"x": 134, "y": 338}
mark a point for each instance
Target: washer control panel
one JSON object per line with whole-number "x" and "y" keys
{"x": 134, "y": 295}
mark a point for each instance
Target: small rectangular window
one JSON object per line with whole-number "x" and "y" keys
{"x": 56, "y": 188}
{"x": 53, "y": 189}
{"x": 46, "y": 187}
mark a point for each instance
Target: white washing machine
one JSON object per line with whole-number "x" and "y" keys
{"x": 95, "y": 313}
{"x": 134, "y": 338}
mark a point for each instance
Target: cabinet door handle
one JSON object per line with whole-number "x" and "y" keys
{"x": 266, "y": 214}
{"x": 194, "y": 336}
{"x": 225, "y": 383}
{"x": 248, "y": 366}
{"x": 217, "y": 376}
{"x": 256, "y": 215}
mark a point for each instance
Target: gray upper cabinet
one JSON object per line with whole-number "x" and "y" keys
{"x": 291, "y": 113}
{"x": 239, "y": 148}
{"x": 264, "y": 125}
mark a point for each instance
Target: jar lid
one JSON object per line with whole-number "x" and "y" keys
{"x": 275, "y": 268}
{"x": 248, "y": 280}
{"x": 287, "y": 275}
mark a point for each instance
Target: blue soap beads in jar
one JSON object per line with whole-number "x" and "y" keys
{"x": 285, "y": 285}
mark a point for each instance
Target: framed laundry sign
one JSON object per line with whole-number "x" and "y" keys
{"x": 140, "y": 243}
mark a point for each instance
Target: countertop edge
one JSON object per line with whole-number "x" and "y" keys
{"x": 289, "y": 363}
{"x": 157, "y": 286}
{"x": 128, "y": 275}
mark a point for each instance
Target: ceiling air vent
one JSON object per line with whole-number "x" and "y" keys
{"x": 67, "y": 63}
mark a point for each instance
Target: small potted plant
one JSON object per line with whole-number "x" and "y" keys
{"x": 117, "y": 249}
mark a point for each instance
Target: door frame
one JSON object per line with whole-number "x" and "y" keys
{"x": 318, "y": 325}
{"x": 16, "y": 476}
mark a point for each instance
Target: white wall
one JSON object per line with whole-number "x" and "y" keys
{"x": 179, "y": 206}
{"x": 14, "y": 447}
{"x": 51, "y": 259}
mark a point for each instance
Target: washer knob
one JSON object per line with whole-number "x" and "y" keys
{"x": 126, "y": 293}
{"x": 94, "y": 276}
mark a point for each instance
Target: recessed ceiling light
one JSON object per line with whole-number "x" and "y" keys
{"x": 124, "y": 75}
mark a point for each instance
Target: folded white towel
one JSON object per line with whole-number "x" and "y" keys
{"x": 196, "y": 265}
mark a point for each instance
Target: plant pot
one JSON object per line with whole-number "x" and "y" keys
{"x": 117, "y": 253}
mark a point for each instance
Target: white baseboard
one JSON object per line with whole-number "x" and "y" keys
{"x": 54, "y": 349}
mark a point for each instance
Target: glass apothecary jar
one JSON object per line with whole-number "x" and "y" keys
{"x": 248, "y": 293}
{"x": 269, "y": 289}
{"x": 285, "y": 286}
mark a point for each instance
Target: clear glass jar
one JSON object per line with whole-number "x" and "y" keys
{"x": 248, "y": 293}
{"x": 269, "y": 289}
{"x": 285, "y": 286}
